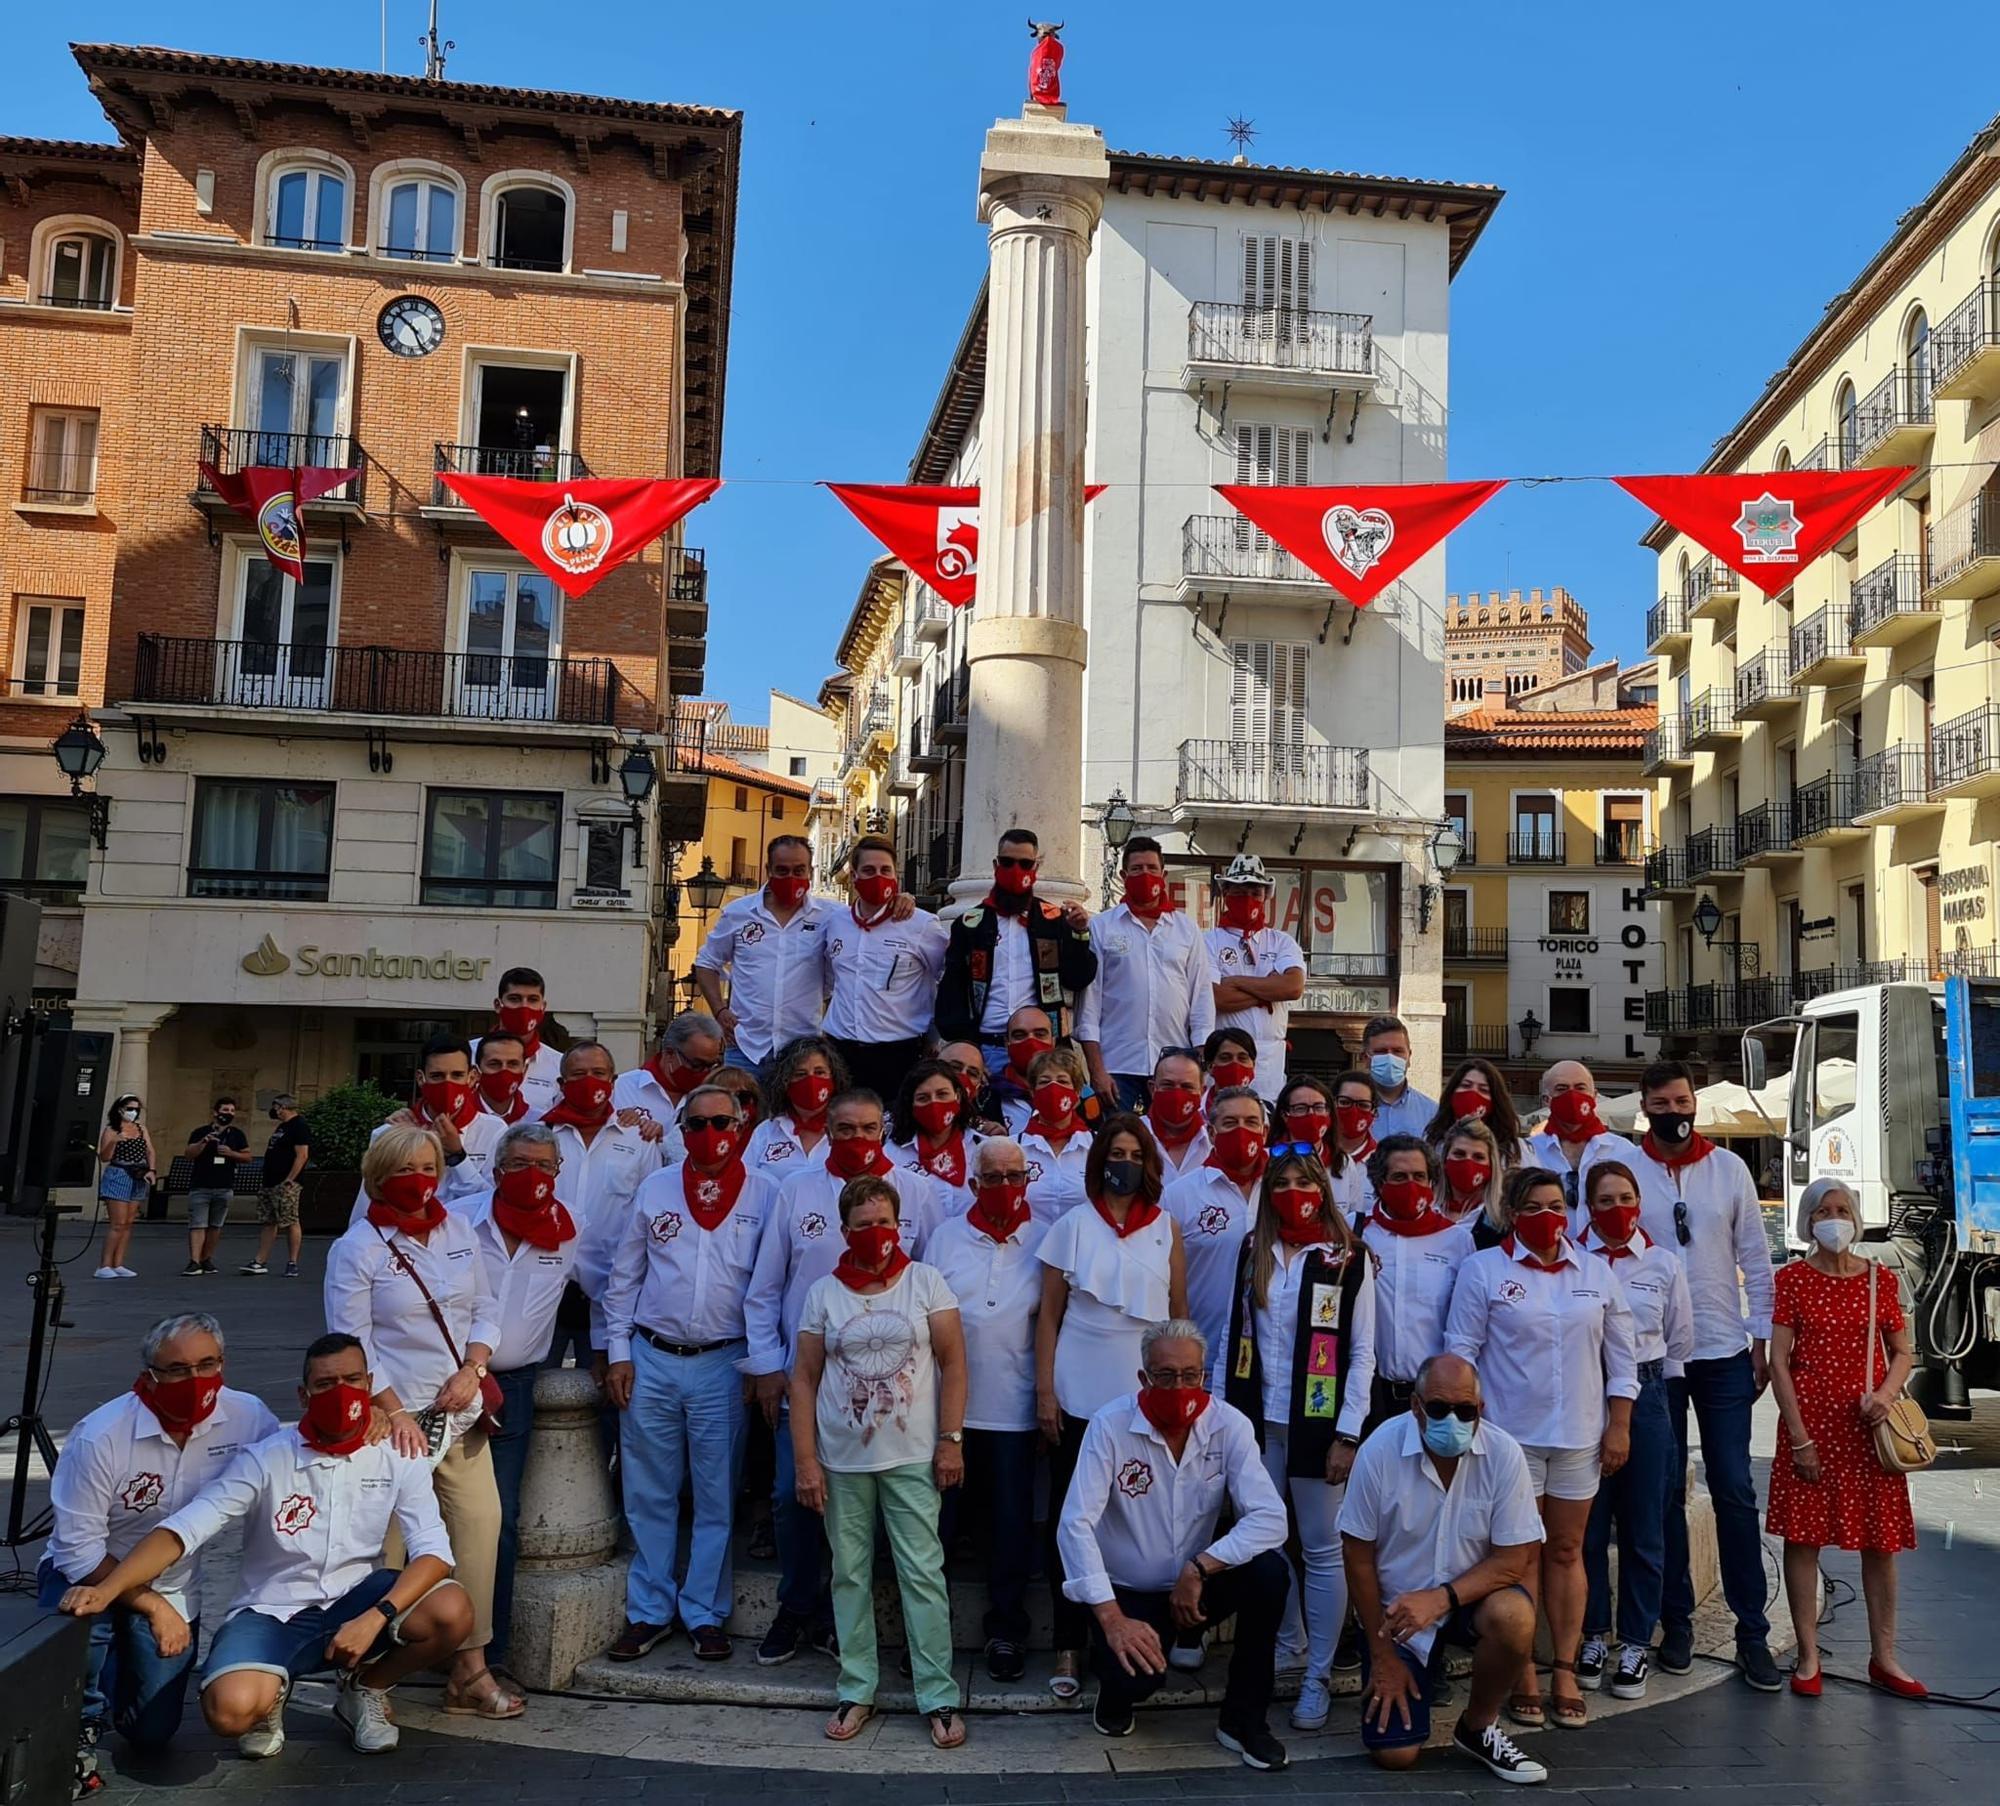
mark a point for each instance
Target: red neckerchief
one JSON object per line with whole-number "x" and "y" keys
{"x": 1263, "y": 1160}
{"x": 881, "y": 916}
{"x": 517, "y": 1105}
{"x": 710, "y": 1200}
{"x": 460, "y": 1122}
{"x": 561, "y": 1111}
{"x": 1366, "y": 1154}
{"x": 531, "y": 1045}
{"x": 1137, "y": 1215}
{"x": 1699, "y": 1147}
{"x": 548, "y": 1228}
{"x": 384, "y": 1216}
{"x": 854, "y": 1277}
{"x": 653, "y": 1066}
{"x": 948, "y": 1163}
{"x": 1001, "y": 1230}
{"x": 1035, "y": 1126}
{"x": 1639, "y": 1243}
{"x": 1533, "y": 1260}
{"x": 1428, "y": 1223}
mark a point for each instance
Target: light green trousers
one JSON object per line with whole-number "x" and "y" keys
{"x": 907, "y": 1499}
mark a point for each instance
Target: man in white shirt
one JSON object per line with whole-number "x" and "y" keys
{"x": 1400, "y": 1108}
{"x": 1152, "y": 989}
{"x": 1216, "y": 1207}
{"x": 1137, "y": 1537}
{"x": 689, "y": 1053}
{"x": 1011, "y": 949}
{"x": 1258, "y": 971}
{"x": 316, "y": 1503}
{"x": 500, "y": 1069}
{"x": 519, "y": 1008}
{"x": 1574, "y": 1140}
{"x": 1699, "y": 1200}
{"x": 673, "y": 1316}
{"x": 1441, "y": 1538}
{"x": 1174, "y": 1114}
{"x": 125, "y": 1468}
{"x": 768, "y": 945}
{"x": 448, "y": 1105}
{"x": 881, "y": 972}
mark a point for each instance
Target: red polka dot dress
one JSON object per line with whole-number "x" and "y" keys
{"x": 1854, "y": 1504}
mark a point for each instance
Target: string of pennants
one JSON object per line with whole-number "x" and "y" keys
{"x": 1767, "y": 526}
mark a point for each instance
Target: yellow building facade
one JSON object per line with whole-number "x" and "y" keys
{"x": 1827, "y": 761}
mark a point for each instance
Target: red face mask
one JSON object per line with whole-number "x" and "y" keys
{"x": 789, "y": 893}
{"x": 411, "y": 1195}
{"x": 1467, "y": 1174}
{"x": 1016, "y": 880}
{"x": 856, "y": 1155}
{"x": 877, "y": 890}
{"x": 335, "y": 1421}
{"x": 1616, "y": 1224}
{"x": 1404, "y": 1199}
{"x": 1574, "y": 1114}
{"x": 180, "y": 1404}
{"x": 936, "y": 1115}
{"x": 524, "y": 1205}
{"x": 444, "y": 1097}
{"x": 1245, "y": 911}
{"x": 1145, "y": 892}
{"x": 807, "y": 1094}
{"x": 1301, "y": 1214}
{"x": 1055, "y": 1101}
{"x": 522, "y": 1018}
{"x": 999, "y": 1207}
{"x": 1173, "y": 1110}
{"x": 872, "y": 1248}
{"x": 1467, "y": 1102}
{"x": 1171, "y": 1408}
{"x": 712, "y": 1147}
{"x": 1356, "y": 1120}
{"x": 1541, "y": 1230}
{"x": 500, "y": 1087}
{"x": 1024, "y": 1053}
{"x": 1239, "y": 1150}
{"x": 1307, "y": 1122}
{"x": 587, "y": 1094}
{"x": 525, "y": 1188}
{"x": 1233, "y": 1070}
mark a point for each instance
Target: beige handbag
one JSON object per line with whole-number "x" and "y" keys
{"x": 1903, "y": 1440}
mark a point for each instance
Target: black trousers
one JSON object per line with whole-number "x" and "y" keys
{"x": 999, "y": 1498}
{"x": 879, "y": 1066}
{"x": 1072, "y": 1621}
{"x": 1254, "y": 1595}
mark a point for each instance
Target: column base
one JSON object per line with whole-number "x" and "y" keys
{"x": 564, "y": 1619}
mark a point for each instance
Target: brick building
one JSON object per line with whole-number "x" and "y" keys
{"x": 339, "y": 809}
{"x": 1497, "y": 647}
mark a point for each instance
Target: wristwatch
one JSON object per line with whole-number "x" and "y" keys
{"x": 479, "y": 1370}
{"x": 387, "y": 1610}
{"x": 957, "y": 1436}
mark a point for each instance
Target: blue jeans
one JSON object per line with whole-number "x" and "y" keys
{"x": 1637, "y": 1496}
{"x": 1723, "y": 1393}
{"x": 127, "y": 1684}
{"x": 804, "y": 1589}
{"x": 294, "y": 1647}
{"x": 758, "y": 1069}
{"x": 686, "y": 1423}
{"x": 510, "y": 1463}
{"x": 1000, "y": 1476}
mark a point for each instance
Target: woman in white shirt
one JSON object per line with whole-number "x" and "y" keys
{"x": 878, "y": 1427}
{"x": 930, "y": 1128}
{"x": 806, "y": 1076}
{"x": 1475, "y": 1179}
{"x": 405, "y": 1256}
{"x": 1547, "y": 1325}
{"x": 1418, "y": 1251}
{"x": 1053, "y": 1138}
{"x": 1112, "y": 1266}
{"x": 1302, "y": 1368}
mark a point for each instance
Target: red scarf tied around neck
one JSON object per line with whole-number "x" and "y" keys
{"x": 853, "y": 1275}
{"x": 525, "y": 1207}
{"x": 407, "y": 1204}
{"x": 710, "y": 1197}
{"x": 1699, "y": 1147}
{"x": 1137, "y": 1215}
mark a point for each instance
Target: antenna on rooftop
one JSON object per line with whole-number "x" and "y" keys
{"x": 434, "y": 50}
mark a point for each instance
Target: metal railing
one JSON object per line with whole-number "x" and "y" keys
{"x": 1255, "y": 771}
{"x": 1973, "y": 326}
{"x": 1818, "y": 458}
{"x": 950, "y": 704}
{"x": 1960, "y": 539}
{"x": 1667, "y": 618}
{"x": 1227, "y": 545}
{"x": 1710, "y": 580}
{"x": 1666, "y": 741}
{"x": 377, "y": 680}
{"x": 231, "y": 449}
{"x": 289, "y": 241}
{"x": 1712, "y": 712}
{"x": 1623, "y": 844}
{"x": 1765, "y": 678}
{"x": 1538, "y": 846}
{"x": 1711, "y": 850}
{"x": 1965, "y": 747}
{"x": 1666, "y": 870}
{"x": 1764, "y": 829}
{"x": 96, "y": 304}
{"x": 1281, "y": 338}
{"x": 1901, "y": 399}
{"x": 1475, "y": 946}
{"x": 687, "y": 574}
{"x": 825, "y": 794}
{"x": 530, "y": 464}
{"x": 1464, "y": 1040}
{"x": 1821, "y": 805}
{"x": 1894, "y": 587}
{"x": 1470, "y": 841}
{"x": 1821, "y": 635}
{"x": 60, "y": 477}
{"x": 1893, "y": 778}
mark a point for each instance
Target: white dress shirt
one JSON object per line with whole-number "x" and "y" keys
{"x": 371, "y": 1296}
{"x": 1055, "y": 1178}
{"x": 314, "y": 1524}
{"x": 1656, "y": 1290}
{"x": 959, "y": 1191}
{"x": 1134, "y": 1516}
{"x": 1263, "y": 953}
{"x": 1410, "y": 1114}
{"x": 1215, "y": 1215}
{"x": 121, "y": 1476}
{"x": 1725, "y": 1239}
{"x": 1551, "y": 1344}
{"x": 541, "y": 1087}
{"x": 527, "y": 1288}
{"x": 776, "y": 987}
{"x": 471, "y": 1178}
{"x": 1544, "y": 1148}
{"x": 881, "y": 980}
{"x": 1189, "y": 1157}
{"x": 1414, "y": 1275}
{"x": 1275, "y": 1323}
{"x": 802, "y": 1243}
{"x": 1425, "y": 1533}
{"x": 640, "y": 1090}
{"x": 998, "y": 1286}
{"x": 775, "y": 1148}
{"x": 598, "y": 1183}
{"x": 677, "y": 1279}
{"x": 1118, "y": 1285}
{"x": 1152, "y": 990}
{"x": 1013, "y": 983}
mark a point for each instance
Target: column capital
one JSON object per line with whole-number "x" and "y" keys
{"x": 1044, "y": 162}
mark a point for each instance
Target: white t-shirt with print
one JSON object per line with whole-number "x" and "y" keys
{"x": 877, "y": 1404}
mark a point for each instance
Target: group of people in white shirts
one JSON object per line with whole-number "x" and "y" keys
{"x": 1339, "y": 1307}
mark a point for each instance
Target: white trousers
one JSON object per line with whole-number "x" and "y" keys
{"x": 1315, "y": 1509}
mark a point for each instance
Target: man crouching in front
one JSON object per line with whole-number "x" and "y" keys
{"x": 316, "y": 1502}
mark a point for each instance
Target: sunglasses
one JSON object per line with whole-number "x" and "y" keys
{"x": 708, "y": 1122}
{"x": 1306, "y": 1150}
{"x": 1437, "y": 1410}
{"x": 1007, "y": 862}
{"x": 1681, "y": 1222}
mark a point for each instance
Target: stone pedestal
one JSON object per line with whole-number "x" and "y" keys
{"x": 1041, "y": 193}
{"x": 569, "y": 1585}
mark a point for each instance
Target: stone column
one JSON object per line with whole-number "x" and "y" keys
{"x": 1041, "y": 193}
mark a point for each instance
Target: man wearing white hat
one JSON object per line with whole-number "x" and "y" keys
{"x": 1258, "y": 971}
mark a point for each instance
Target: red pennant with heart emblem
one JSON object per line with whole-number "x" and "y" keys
{"x": 275, "y": 499}
{"x": 1360, "y": 539}
{"x": 579, "y": 533}
{"x": 932, "y": 528}
{"x": 1766, "y": 525}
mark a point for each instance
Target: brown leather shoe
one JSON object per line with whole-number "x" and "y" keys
{"x": 710, "y": 1642}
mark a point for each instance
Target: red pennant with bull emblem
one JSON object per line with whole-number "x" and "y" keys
{"x": 1767, "y": 526}
{"x": 275, "y": 499}
{"x": 579, "y": 533}
{"x": 932, "y": 528}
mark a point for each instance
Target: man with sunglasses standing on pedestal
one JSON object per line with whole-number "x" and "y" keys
{"x": 1700, "y": 1200}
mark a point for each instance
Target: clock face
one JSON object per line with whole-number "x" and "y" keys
{"x": 410, "y": 326}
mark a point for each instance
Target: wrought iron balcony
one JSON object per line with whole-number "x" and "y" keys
{"x": 1537, "y": 846}
{"x": 1711, "y": 852}
{"x": 1823, "y": 811}
{"x": 1711, "y": 720}
{"x": 1889, "y": 604}
{"x": 1256, "y": 773}
{"x": 1822, "y": 652}
{"x": 1964, "y": 548}
{"x": 533, "y": 464}
{"x": 1893, "y": 785}
{"x": 1711, "y": 589}
{"x": 1485, "y": 1040}
{"x": 1475, "y": 946}
{"x": 687, "y": 575}
{"x": 1965, "y": 754}
{"x": 1667, "y": 624}
{"x": 949, "y": 705}
{"x": 1624, "y": 844}
{"x": 1764, "y": 685}
{"x": 1222, "y": 550}
{"x": 1666, "y": 745}
{"x": 233, "y": 449}
{"x": 1338, "y": 349}
{"x": 378, "y": 680}
{"x": 1667, "y": 872}
{"x": 1764, "y": 834}
{"x": 1723, "y": 1008}
{"x": 1965, "y": 347}
{"x": 1819, "y": 457}
{"x": 932, "y": 618}
{"x": 906, "y": 652}
{"x": 1893, "y": 421}
{"x": 926, "y": 754}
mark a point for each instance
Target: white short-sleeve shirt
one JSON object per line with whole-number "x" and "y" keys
{"x": 877, "y": 1405}
{"x": 998, "y": 1286}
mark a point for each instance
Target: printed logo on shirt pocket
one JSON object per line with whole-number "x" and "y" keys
{"x": 813, "y": 1226}
{"x": 1213, "y": 1220}
{"x": 1512, "y": 1291}
{"x": 142, "y": 1492}
{"x": 295, "y": 1514}
{"x": 1135, "y": 1479}
{"x": 779, "y": 1150}
{"x": 666, "y": 1226}
{"x": 753, "y": 932}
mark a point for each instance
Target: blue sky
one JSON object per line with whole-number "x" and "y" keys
{"x": 1687, "y": 187}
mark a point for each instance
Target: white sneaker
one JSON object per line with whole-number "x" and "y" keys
{"x": 105, "y": 1273}
{"x": 125, "y": 1272}
{"x": 1314, "y": 1703}
{"x": 370, "y": 1727}
{"x": 266, "y": 1737}
{"x": 1187, "y": 1658}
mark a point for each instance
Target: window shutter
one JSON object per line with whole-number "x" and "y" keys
{"x": 1254, "y": 266}
{"x": 1302, "y": 288}
{"x": 1239, "y": 690}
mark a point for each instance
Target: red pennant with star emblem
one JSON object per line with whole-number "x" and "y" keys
{"x": 1767, "y": 526}
{"x": 275, "y": 499}
{"x": 1360, "y": 539}
{"x": 579, "y": 533}
{"x": 931, "y": 528}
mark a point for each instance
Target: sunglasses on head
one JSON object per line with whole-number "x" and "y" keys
{"x": 1437, "y": 1410}
{"x": 1306, "y": 1150}
{"x": 1681, "y": 1221}
{"x": 708, "y": 1122}
{"x": 1008, "y": 862}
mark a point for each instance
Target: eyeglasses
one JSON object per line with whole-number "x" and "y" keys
{"x": 1681, "y": 1222}
{"x": 551, "y": 1167}
{"x": 688, "y": 1065}
{"x": 1437, "y": 1410}
{"x": 1176, "y": 1376}
{"x": 200, "y": 1370}
{"x": 708, "y": 1122}
{"x": 1007, "y": 862}
{"x": 1305, "y": 1150}
{"x": 1014, "y": 1176}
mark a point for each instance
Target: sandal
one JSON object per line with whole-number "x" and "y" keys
{"x": 1063, "y": 1683}
{"x": 947, "y": 1729}
{"x": 1525, "y": 1709}
{"x": 494, "y": 1703}
{"x": 849, "y": 1720}
{"x": 1572, "y": 1714}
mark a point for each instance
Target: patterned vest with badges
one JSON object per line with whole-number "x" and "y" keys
{"x": 1061, "y": 958}
{"x": 1320, "y": 1349}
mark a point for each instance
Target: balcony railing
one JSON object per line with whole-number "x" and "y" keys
{"x": 1823, "y": 805}
{"x": 95, "y": 304}
{"x": 1970, "y": 332}
{"x": 1711, "y": 851}
{"x": 1623, "y": 844}
{"x": 1664, "y": 745}
{"x": 1666, "y": 871}
{"x": 1710, "y": 581}
{"x": 1961, "y": 541}
{"x": 1900, "y": 402}
{"x": 531, "y": 464}
{"x": 236, "y": 448}
{"x": 1763, "y": 830}
{"x": 1281, "y": 338}
{"x": 1666, "y": 620}
{"x": 1764, "y": 681}
{"x": 1470, "y": 841}
{"x": 1965, "y": 749}
{"x": 1822, "y": 635}
{"x": 1896, "y": 779}
{"x": 687, "y": 574}
{"x": 377, "y": 680}
{"x": 68, "y": 479}
{"x": 1817, "y": 458}
{"x": 1536, "y": 846}
{"x": 949, "y": 706}
{"x": 932, "y": 618}
{"x": 1711, "y": 716}
{"x": 1888, "y": 594}
{"x": 1464, "y": 1040}
{"x": 1227, "y": 546}
{"x": 1475, "y": 946}
{"x": 825, "y": 794}
{"x": 1257, "y": 772}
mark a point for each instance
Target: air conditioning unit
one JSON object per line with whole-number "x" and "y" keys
{"x": 600, "y": 899}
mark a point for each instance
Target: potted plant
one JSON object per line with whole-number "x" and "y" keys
{"x": 339, "y": 1123}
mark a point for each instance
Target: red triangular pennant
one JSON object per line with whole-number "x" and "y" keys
{"x": 580, "y": 532}
{"x": 1360, "y": 538}
{"x": 1766, "y": 525}
{"x": 932, "y": 528}
{"x": 272, "y": 499}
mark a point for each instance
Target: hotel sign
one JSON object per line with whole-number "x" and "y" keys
{"x": 268, "y": 960}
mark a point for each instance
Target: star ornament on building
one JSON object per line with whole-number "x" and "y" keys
{"x": 1769, "y": 529}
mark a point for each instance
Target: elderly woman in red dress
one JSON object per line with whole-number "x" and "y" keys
{"x": 1826, "y": 1484}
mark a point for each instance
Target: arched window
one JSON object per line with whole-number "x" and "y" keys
{"x": 1783, "y": 461}
{"x": 528, "y": 221}
{"x": 1917, "y": 362}
{"x": 417, "y": 210}
{"x": 79, "y": 266}
{"x": 308, "y": 200}
{"x": 1847, "y": 423}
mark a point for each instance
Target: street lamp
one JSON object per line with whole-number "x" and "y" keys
{"x": 706, "y": 887}
{"x": 1116, "y": 825}
{"x": 1530, "y": 1028}
{"x": 79, "y": 751}
{"x": 1447, "y": 849}
{"x": 636, "y": 777}
{"x": 1707, "y": 921}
